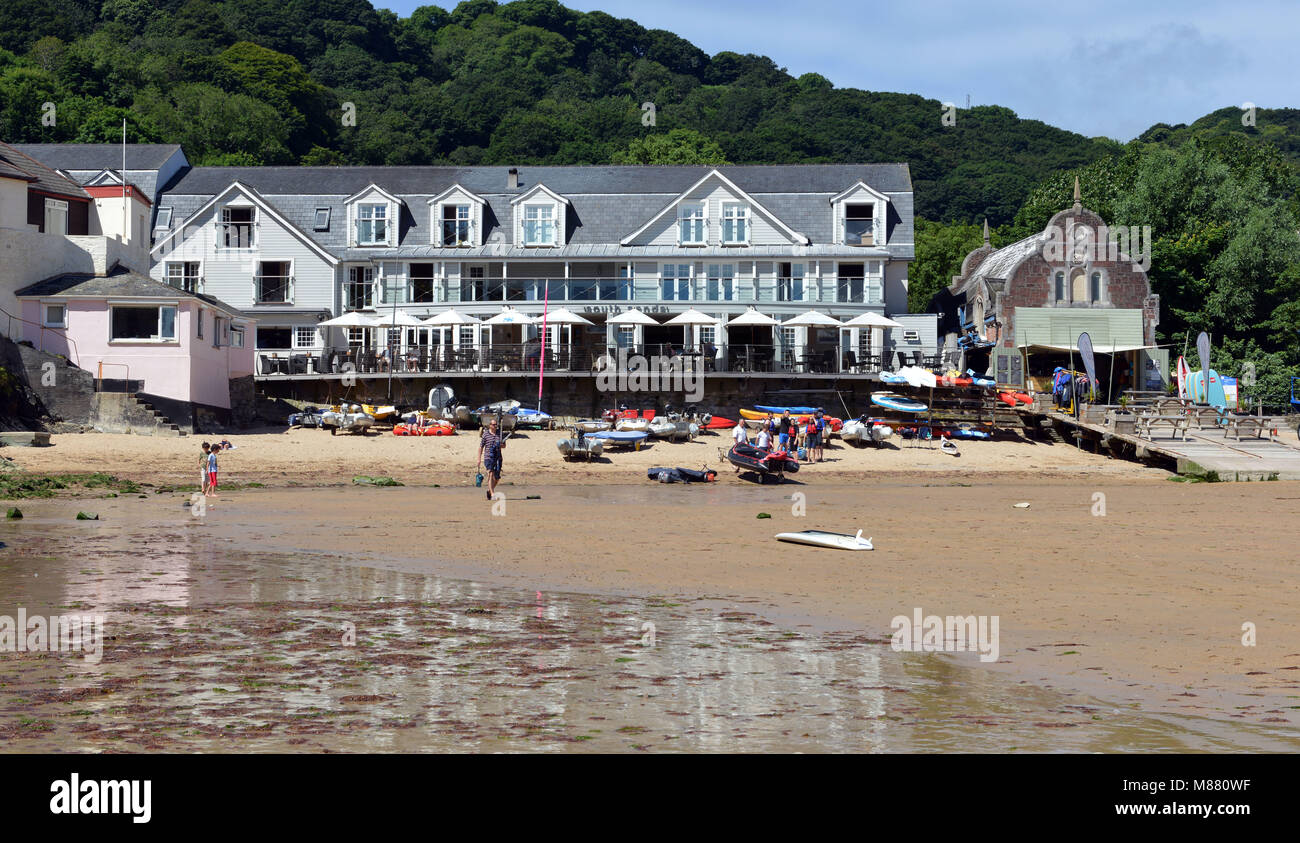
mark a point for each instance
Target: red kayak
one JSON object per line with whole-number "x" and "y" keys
{"x": 949, "y": 381}
{"x": 719, "y": 423}
{"x": 1011, "y": 399}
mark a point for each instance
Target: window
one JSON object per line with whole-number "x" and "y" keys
{"x": 466, "y": 336}
{"x": 184, "y": 276}
{"x": 236, "y": 337}
{"x": 1094, "y": 288}
{"x": 237, "y": 228}
{"x": 789, "y": 286}
{"x": 200, "y": 323}
{"x": 721, "y": 282}
{"x": 859, "y": 225}
{"x": 1060, "y": 286}
{"x": 539, "y": 225}
{"x": 274, "y": 337}
{"x": 421, "y": 275}
{"x": 155, "y": 323}
{"x": 321, "y": 220}
{"x": 55, "y": 316}
{"x": 456, "y": 225}
{"x": 56, "y": 216}
{"x": 472, "y": 284}
{"x": 851, "y": 281}
{"x": 1078, "y": 286}
{"x": 356, "y": 337}
{"x": 676, "y": 284}
{"x": 708, "y": 334}
{"x": 735, "y": 224}
{"x": 690, "y": 224}
{"x": 304, "y": 337}
{"x": 372, "y": 225}
{"x": 273, "y": 283}
{"x": 164, "y": 220}
{"x": 626, "y": 336}
{"x": 218, "y": 331}
{"x": 359, "y": 292}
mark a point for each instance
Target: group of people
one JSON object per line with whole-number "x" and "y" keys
{"x": 787, "y": 433}
{"x": 208, "y": 466}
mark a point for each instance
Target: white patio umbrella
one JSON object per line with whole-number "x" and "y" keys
{"x": 689, "y": 318}
{"x": 874, "y": 321}
{"x": 812, "y": 319}
{"x": 565, "y": 317}
{"x": 450, "y": 317}
{"x": 753, "y": 318}
{"x": 632, "y": 317}
{"x": 351, "y": 319}
{"x": 398, "y": 319}
{"x": 510, "y": 316}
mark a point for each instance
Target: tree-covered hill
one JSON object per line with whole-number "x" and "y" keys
{"x": 528, "y": 82}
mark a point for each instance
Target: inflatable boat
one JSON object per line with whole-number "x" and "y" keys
{"x": 764, "y": 463}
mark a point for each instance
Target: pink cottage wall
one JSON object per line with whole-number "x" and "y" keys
{"x": 188, "y": 369}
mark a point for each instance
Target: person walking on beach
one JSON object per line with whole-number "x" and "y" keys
{"x": 203, "y": 468}
{"x": 490, "y": 445}
{"x": 738, "y": 433}
{"x": 818, "y": 436}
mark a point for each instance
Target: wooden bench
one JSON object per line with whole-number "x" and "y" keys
{"x": 1146, "y": 423}
{"x": 1204, "y": 417}
{"x": 1260, "y": 426}
{"x": 1169, "y": 406}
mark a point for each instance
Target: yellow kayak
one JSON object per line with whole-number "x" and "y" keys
{"x": 380, "y": 412}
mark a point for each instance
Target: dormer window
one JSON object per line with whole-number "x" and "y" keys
{"x": 860, "y": 225}
{"x": 690, "y": 224}
{"x": 735, "y": 224}
{"x": 372, "y": 225}
{"x": 539, "y": 225}
{"x": 457, "y": 225}
{"x": 321, "y": 220}
{"x": 164, "y": 220}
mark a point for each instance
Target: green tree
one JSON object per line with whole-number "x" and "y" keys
{"x": 677, "y": 146}
{"x": 940, "y": 250}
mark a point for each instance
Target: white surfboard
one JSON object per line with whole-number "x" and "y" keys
{"x": 819, "y": 538}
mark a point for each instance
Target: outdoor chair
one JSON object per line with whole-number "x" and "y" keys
{"x": 850, "y": 362}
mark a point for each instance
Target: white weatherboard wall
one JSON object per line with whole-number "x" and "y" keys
{"x": 896, "y": 286}
{"x": 228, "y": 274}
{"x": 714, "y": 195}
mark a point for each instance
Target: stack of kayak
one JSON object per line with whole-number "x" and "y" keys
{"x": 925, "y": 431}
{"x": 761, "y": 413}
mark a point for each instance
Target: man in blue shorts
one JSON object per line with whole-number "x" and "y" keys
{"x": 490, "y": 445}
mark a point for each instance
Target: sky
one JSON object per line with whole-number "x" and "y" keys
{"x": 1100, "y": 68}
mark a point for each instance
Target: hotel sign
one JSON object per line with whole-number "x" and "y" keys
{"x": 618, "y": 308}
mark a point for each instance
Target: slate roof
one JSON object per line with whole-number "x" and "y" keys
{"x": 100, "y": 156}
{"x": 1002, "y": 262}
{"x": 609, "y": 202}
{"x": 120, "y": 282}
{"x": 41, "y": 177}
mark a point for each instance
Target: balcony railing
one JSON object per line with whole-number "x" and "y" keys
{"x": 236, "y": 235}
{"x": 273, "y": 289}
{"x": 863, "y": 232}
{"x": 456, "y": 233}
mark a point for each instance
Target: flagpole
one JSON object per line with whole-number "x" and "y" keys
{"x": 541, "y": 362}
{"x": 126, "y": 216}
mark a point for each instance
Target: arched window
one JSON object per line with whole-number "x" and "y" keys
{"x": 1060, "y": 286}
{"x": 1094, "y": 288}
{"x": 1078, "y": 286}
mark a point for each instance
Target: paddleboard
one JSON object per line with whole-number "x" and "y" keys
{"x": 820, "y": 538}
{"x": 1184, "y": 372}
{"x": 892, "y": 401}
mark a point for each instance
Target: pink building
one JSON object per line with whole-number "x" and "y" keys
{"x": 167, "y": 342}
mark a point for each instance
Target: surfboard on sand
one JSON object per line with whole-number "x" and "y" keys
{"x": 820, "y": 538}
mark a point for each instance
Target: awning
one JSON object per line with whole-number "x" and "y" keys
{"x": 1099, "y": 348}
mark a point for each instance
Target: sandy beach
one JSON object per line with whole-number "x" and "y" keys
{"x": 1114, "y": 582}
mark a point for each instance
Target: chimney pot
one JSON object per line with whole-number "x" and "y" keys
{"x": 512, "y": 178}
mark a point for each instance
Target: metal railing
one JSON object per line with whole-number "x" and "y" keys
{"x": 273, "y": 289}
{"x": 62, "y": 333}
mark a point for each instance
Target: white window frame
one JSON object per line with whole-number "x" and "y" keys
{"x": 56, "y": 209}
{"x": 45, "y": 315}
{"x": 724, "y": 275}
{"x": 471, "y": 224}
{"x": 289, "y": 293}
{"x": 317, "y": 223}
{"x": 370, "y": 281}
{"x": 733, "y": 214}
{"x": 694, "y": 215}
{"x": 224, "y": 222}
{"x": 675, "y": 274}
{"x": 315, "y": 336}
{"x": 164, "y": 219}
{"x": 539, "y": 221}
{"x": 384, "y": 218}
{"x": 236, "y": 336}
{"x": 158, "y": 339}
{"x": 169, "y": 276}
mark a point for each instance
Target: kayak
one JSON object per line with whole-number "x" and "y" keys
{"x": 893, "y": 401}
{"x": 756, "y": 415}
{"x": 890, "y": 377}
{"x": 791, "y": 410}
{"x": 436, "y": 428}
{"x": 948, "y": 380}
{"x": 949, "y": 447}
{"x": 763, "y": 462}
{"x": 981, "y": 380}
{"x": 1012, "y": 399}
{"x": 719, "y": 423}
{"x": 527, "y": 417}
{"x": 681, "y": 475}
{"x": 820, "y": 538}
{"x": 379, "y": 413}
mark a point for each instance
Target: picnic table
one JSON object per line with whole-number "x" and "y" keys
{"x": 1147, "y": 422}
{"x": 1260, "y": 426}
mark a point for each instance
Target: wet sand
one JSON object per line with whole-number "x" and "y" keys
{"x": 1139, "y": 609}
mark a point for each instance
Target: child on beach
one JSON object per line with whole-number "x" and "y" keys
{"x": 203, "y": 468}
{"x": 212, "y": 471}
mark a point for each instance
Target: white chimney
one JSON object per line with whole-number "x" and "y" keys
{"x": 512, "y": 178}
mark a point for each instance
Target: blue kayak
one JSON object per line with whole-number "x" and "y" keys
{"x": 620, "y": 438}
{"x": 980, "y": 380}
{"x": 530, "y": 417}
{"x": 798, "y": 411}
{"x": 892, "y": 401}
{"x": 890, "y": 377}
